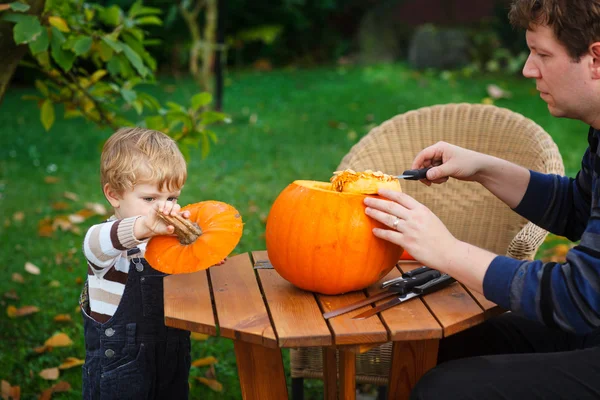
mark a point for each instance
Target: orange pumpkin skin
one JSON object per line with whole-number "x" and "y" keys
{"x": 222, "y": 228}
{"x": 322, "y": 241}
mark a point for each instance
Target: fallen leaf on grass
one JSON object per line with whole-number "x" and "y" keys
{"x": 71, "y": 196}
{"x": 16, "y": 277}
{"x": 10, "y": 392}
{"x": 11, "y": 294}
{"x": 62, "y": 318}
{"x": 76, "y": 218}
{"x": 496, "y": 92}
{"x": 202, "y": 362}
{"x": 60, "y": 205}
{"x": 61, "y": 386}
{"x": 50, "y": 374}
{"x": 71, "y": 362}
{"x": 14, "y": 312}
{"x": 45, "y": 228}
{"x": 211, "y": 383}
{"x": 59, "y": 340}
{"x": 54, "y": 284}
{"x": 96, "y": 207}
{"x": 31, "y": 268}
{"x": 19, "y": 216}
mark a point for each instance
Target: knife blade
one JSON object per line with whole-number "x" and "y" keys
{"x": 428, "y": 287}
{"x": 414, "y": 174}
{"x": 404, "y": 285}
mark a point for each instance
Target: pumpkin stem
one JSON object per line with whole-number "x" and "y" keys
{"x": 187, "y": 232}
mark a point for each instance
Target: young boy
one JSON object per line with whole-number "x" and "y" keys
{"x": 130, "y": 353}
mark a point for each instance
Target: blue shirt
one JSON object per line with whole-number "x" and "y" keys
{"x": 564, "y": 295}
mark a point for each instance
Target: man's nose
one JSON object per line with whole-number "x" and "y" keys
{"x": 530, "y": 70}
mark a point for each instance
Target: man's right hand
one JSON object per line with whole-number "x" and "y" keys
{"x": 449, "y": 161}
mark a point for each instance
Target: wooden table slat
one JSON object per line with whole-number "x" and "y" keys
{"x": 187, "y": 303}
{"x": 409, "y": 320}
{"x": 348, "y": 331}
{"x": 452, "y": 306}
{"x": 241, "y": 311}
{"x": 286, "y": 302}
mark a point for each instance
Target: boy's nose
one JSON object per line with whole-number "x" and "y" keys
{"x": 530, "y": 70}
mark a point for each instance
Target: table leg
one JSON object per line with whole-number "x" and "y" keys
{"x": 347, "y": 375}
{"x": 329, "y": 373}
{"x": 410, "y": 361}
{"x": 260, "y": 371}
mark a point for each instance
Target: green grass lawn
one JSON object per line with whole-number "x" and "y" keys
{"x": 287, "y": 125}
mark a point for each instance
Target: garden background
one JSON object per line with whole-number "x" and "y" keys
{"x": 295, "y": 84}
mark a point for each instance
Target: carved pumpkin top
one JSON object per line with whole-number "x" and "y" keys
{"x": 365, "y": 182}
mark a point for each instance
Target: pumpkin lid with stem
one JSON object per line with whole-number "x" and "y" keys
{"x": 365, "y": 182}
{"x": 206, "y": 238}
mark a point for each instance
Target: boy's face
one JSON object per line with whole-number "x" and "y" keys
{"x": 566, "y": 86}
{"x": 140, "y": 200}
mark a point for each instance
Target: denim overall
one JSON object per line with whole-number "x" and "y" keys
{"x": 134, "y": 355}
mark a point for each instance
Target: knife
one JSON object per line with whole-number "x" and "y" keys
{"x": 414, "y": 174}
{"x": 426, "y": 288}
{"x": 400, "y": 286}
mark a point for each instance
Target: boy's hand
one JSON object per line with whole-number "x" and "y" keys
{"x": 151, "y": 225}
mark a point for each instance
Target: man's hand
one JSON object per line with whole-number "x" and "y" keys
{"x": 413, "y": 226}
{"x": 449, "y": 161}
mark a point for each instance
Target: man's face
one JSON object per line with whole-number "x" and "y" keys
{"x": 566, "y": 86}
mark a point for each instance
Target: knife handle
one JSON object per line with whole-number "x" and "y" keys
{"x": 408, "y": 284}
{"x": 416, "y": 174}
{"x": 415, "y": 272}
{"x": 434, "y": 284}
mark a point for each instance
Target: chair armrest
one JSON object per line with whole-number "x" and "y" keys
{"x": 526, "y": 243}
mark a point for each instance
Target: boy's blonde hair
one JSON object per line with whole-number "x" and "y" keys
{"x": 139, "y": 155}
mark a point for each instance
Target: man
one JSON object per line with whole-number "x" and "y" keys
{"x": 549, "y": 346}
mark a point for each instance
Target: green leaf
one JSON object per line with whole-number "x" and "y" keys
{"x": 14, "y": 17}
{"x": 149, "y": 101}
{"x": 105, "y": 51}
{"x": 27, "y": 30}
{"x": 42, "y": 87}
{"x": 59, "y": 23}
{"x": 47, "y": 114}
{"x": 138, "y": 106}
{"x": 129, "y": 95}
{"x": 157, "y": 123}
{"x": 211, "y": 135}
{"x": 149, "y": 20}
{"x": 137, "y": 9}
{"x": 18, "y": 6}
{"x": 114, "y": 66}
{"x": 40, "y": 44}
{"x": 135, "y": 60}
{"x": 114, "y": 44}
{"x": 82, "y": 45}
{"x": 200, "y": 100}
{"x": 210, "y": 117}
{"x": 205, "y": 146}
{"x": 110, "y": 15}
{"x": 64, "y": 58}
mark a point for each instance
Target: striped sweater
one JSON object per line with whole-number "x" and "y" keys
{"x": 105, "y": 247}
{"x": 564, "y": 295}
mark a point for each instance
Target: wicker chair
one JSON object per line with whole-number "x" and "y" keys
{"x": 469, "y": 211}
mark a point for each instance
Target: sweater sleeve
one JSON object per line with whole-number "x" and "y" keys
{"x": 105, "y": 243}
{"x": 559, "y": 204}
{"x": 567, "y": 295}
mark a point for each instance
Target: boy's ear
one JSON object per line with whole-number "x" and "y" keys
{"x": 112, "y": 196}
{"x": 595, "y": 63}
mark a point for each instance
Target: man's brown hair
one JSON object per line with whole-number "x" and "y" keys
{"x": 575, "y": 23}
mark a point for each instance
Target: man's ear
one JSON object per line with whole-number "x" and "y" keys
{"x": 595, "y": 63}
{"x": 111, "y": 195}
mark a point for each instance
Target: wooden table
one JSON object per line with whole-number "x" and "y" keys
{"x": 262, "y": 313}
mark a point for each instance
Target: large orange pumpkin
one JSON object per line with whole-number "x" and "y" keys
{"x": 320, "y": 239}
{"x": 206, "y": 238}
